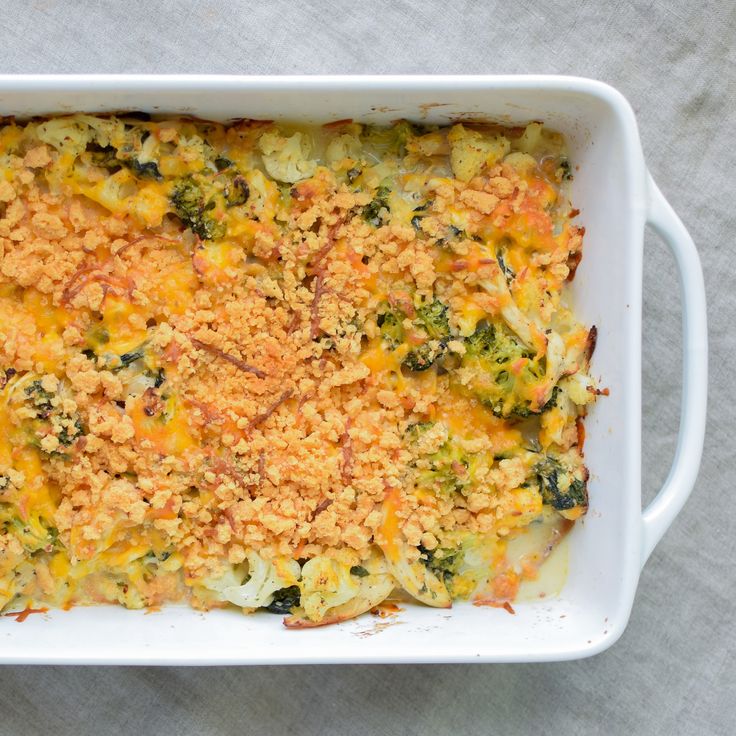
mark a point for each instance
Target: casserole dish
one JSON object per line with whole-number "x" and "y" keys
{"x": 616, "y": 198}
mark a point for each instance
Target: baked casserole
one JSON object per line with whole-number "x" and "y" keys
{"x": 284, "y": 367}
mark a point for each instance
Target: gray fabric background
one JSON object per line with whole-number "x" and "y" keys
{"x": 673, "y": 672}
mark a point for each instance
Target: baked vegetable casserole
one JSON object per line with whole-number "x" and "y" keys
{"x": 280, "y": 367}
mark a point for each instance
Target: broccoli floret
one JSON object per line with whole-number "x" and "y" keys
{"x": 40, "y": 398}
{"x": 237, "y": 191}
{"x": 373, "y": 211}
{"x": 447, "y": 470}
{"x": 144, "y": 170}
{"x": 106, "y": 157}
{"x": 359, "y": 571}
{"x": 444, "y": 563}
{"x": 47, "y": 415}
{"x": 431, "y": 320}
{"x": 563, "y": 488}
{"x": 222, "y": 163}
{"x": 190, "y": 205}
{"x": 424, "y": 356}
{"x": 500, "y": 371}
{"x": 432, "y": 317}
{"x": 392, "y": 331}
{"x": 284, "y": 600}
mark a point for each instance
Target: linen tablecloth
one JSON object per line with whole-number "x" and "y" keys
{"x": 673, "y": 671}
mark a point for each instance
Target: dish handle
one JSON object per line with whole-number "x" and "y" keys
{"x": 661, "y": 512}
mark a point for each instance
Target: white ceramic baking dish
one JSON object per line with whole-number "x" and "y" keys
{"x": 617, "y": 199}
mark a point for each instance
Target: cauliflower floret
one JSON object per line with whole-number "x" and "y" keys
{"x": 193, "y": 150}
{"x": 265, "y": 578}
{"x": 580, "y": 388}
{"x": 530, "y": 138}
{"x": 523, "y": 163}
{"x": 335, "y": 591}
{"x": 326, "y": 584}
{"x": 73, "y": 134}
{"x": 342, "y": 147}
{"x": 68, "y": 135}
{"x": 431, "y": 144}
{"x": 287, "y": 159}
{"x": 107, "y": 131}
{"x": 471, "y": 150}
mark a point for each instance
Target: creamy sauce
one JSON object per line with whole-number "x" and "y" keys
{"x": 552, "y": 576}
{"x": 540, "y": 554}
